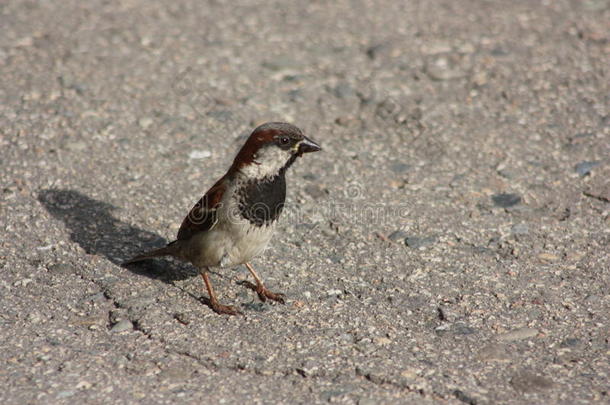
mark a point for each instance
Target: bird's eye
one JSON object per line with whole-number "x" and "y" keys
{"x": 284, "y": 140}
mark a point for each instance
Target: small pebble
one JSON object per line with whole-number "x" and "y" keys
{"x": 520, "y": 229}
{"x": 145, "y": 122}
{"x": 343, "y": 90}
{"x": 548, "y": 257}
{"x": 346, "y": 337}
{"x": 33, "y": 317}
{"x": 23, "y": 282}
{"x": 76, "y": 146}
{"x": 199, "y": 154}
{"x": 397, "y": 235}
{"x": 332, "y": 293}
{"x": 463, "y": 397}
{"x": 462, "y": 329}
{"x": 60, "y": 268}
{"x": 256, "y": 306}
{"x": 399, "y": 167}
{"x": 99, "y": 296}
{"x": 518, "y": 334}
{"x": 182, "y": 318}
{"x": 506, "y": 200}
{"x": 308, "y": 368}
{"x": 381, "y": 341}
{"x": 65, "y": 394}
{"x": 442, "y": 69}
{"x": 373, "y": 51}
{"x": 584, "y": 168}
{"x": 569, "y": 342}
{"x": 281, "y": 63}
{"x": 493, "y": 352}
{"x": 417, "y": 242}
{"x": 122, "y": 326}
{"x": 315, "y": 191}
{"x": 83, "y": 385}
{"x": 456, "y": 329}
{"x": 530, "y": 382}
{"x": 335, "y": 259}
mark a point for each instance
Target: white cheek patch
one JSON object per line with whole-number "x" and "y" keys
{"x": 267, "y": 162}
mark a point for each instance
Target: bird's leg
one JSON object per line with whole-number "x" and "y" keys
{"x": 261, "y": 290}
{"x": 216, "y": 306}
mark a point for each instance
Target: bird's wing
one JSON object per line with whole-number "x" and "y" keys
{"x": 203, "y": 216}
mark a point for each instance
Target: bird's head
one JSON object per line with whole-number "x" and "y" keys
{"x": 271, "y": 149}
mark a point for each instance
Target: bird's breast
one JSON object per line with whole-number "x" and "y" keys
{"x": 261, "y": 201}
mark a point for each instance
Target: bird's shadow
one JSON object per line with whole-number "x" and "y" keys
{"x": 97, "y": 231}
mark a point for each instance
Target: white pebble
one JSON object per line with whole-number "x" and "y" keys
{"x": 200, "y": 154}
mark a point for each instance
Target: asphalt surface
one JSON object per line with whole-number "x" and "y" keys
{"x": 449, "y": 245}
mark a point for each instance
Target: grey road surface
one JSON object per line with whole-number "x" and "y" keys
{"x": 450, "y": 245}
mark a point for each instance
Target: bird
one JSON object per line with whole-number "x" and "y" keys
{"x": 235, "y": 219}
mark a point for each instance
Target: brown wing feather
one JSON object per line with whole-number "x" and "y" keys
{"x": 202, "y": 216}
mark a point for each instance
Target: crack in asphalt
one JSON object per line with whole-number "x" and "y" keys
{"x": 596, "y": 196}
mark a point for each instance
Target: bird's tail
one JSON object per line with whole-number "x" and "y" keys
{"x": 170, "y": 250}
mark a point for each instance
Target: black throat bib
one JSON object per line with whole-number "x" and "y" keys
{"x": 261, "y": 201}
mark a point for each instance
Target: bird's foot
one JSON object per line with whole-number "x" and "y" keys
{"x": 264, "y": 293}
{"x": 225, "y": 309}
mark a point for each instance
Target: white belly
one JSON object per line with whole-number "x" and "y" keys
{"x": 228, "y": 244}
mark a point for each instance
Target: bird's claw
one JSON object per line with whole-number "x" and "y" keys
{"x": 264, "y": 293}
{"x": 225, "y": 309}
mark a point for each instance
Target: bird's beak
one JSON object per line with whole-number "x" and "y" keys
{"x": 307, "y": 145}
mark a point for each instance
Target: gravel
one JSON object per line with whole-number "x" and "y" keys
{"x": 449, "y": 245}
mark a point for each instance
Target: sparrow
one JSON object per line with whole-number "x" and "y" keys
{"x": 234, "y": 221}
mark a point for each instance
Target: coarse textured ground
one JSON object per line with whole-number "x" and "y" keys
{"x": 449, "y": 245}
